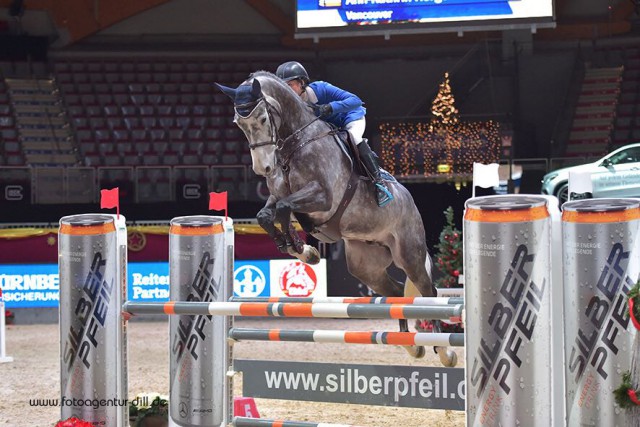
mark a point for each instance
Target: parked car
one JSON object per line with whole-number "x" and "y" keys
{"x": 615, "y": 175}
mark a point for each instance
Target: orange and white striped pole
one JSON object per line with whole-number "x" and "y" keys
{"x": 349, "y": 337}
{"x": 451, "y": 313}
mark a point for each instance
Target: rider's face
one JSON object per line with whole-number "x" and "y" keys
{"x": 296, "y": 85}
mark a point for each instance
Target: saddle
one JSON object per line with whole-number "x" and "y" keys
{"x": 349, "y": 148}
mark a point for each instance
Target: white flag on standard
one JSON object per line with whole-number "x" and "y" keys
{"x": 485, "y": 176}
{"x": 580, "y": 182}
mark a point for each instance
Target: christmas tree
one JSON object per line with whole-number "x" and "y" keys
{"x": 449, "y": 258}
{"x": 449, "y": 262}
{"x": 445, "y": 124}
{"x": 445, "y": 113}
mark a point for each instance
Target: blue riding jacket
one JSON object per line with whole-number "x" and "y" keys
{"x": 346, "y": 106}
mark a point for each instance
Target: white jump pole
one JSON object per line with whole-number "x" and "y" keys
{"x": 3, "y": 355}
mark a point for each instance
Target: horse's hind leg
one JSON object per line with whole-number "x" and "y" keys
{"x": 369, "y": 263}
{"x": 410, "y": 254}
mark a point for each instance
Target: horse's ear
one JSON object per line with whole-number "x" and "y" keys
{"x": 230, "y": 92}
{"x": 256, "y": 90}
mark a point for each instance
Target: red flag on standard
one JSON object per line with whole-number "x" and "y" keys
{"x": 110, "y": 199}
{"x": 218, "y": 202}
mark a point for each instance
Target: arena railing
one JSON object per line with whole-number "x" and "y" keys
{"x": 60, "y": 185}
{"x": 81, "y": 184}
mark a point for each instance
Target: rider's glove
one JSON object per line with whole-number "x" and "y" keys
{"x": 322, "y": 110}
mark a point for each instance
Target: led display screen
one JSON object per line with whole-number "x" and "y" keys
{"x": 349, "y": 16}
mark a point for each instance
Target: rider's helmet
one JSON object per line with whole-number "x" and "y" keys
{"x": 292, "y": 70}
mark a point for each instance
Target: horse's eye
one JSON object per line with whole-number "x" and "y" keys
{"x": 263, "y": 120}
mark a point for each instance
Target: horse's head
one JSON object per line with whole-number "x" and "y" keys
{"x": 258, "y": 115}
{"x": 268, "y": 111}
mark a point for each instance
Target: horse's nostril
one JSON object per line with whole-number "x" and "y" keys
{"x": 268, "y": 170}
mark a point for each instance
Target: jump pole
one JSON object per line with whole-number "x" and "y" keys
{"x": 452, "y": 313}
{"x": 356, "y": 300}
{"x": 349, "y": 337}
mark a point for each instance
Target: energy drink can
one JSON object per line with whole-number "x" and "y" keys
{"x": 600, "y": 256}
{"x": 197, "y": 273}
{"x": 507, "y": 303}
{"x": 91, "y": 327}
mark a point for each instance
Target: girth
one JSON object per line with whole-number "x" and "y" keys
{"x": 330, "y": 232}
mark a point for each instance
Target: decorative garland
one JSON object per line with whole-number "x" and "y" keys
{"x": 634, "y": 305}
{"x": 74, "y": 422}
{"x": 626, "y": 396}
{"x": 148, "y": 405}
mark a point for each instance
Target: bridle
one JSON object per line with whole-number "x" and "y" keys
{"x": 275, "y": 138}
{"x": 285, "y": 147}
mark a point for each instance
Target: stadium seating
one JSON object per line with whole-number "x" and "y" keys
{"x": 595, "y": 112}
{"x": 166, "y": 108}
{"x": 627, "y": 129}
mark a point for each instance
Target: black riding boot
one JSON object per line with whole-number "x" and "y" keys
{"x": 370, "y": 161}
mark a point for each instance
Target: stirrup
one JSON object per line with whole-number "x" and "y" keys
{"x": 383, "y": 195}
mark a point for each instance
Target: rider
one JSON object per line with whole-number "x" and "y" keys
{"x": 340, "y": 108}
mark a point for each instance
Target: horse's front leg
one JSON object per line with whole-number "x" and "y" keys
{"x": 310, "y": 198}
{"x": 266, "y": 218}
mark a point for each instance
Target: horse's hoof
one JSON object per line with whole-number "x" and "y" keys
{"x": 312, "y": 255}
{"x": 417, "y": 352}
{"x": 448, "y": 358}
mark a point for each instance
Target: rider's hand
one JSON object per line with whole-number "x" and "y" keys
{"x": 322, "y": 110}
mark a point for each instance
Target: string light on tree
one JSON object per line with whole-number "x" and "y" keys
{"x": 443, "y": 142}
{"x": 410, "y": 149}
{"x": 443, "y": 109}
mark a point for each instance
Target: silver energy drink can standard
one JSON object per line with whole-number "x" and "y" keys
{"x": 600, "y": 255}
{"x": 196, "y": 268}
{"x": 507, "y": 303}
{"x": 89, "y": 320}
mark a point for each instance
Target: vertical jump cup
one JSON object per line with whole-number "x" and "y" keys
{"x": 601, "y": 250}
{"x": 92, "y": 363}
{"x": 507, "y": 303}
{"x": 198, "y": 268}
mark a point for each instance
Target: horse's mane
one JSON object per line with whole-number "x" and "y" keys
{"x": 279, "y": 83}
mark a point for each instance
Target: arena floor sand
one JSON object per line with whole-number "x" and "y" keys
{"x": 35, "y": 372}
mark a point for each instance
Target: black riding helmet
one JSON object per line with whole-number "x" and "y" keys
{"x": 292, "y": 70}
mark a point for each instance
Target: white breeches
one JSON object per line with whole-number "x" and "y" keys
{"x": 356, "y": 129}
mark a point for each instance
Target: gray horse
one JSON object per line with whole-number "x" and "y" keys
{"x": 311, "y": 177}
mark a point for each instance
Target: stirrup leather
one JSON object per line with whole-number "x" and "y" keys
{"x": 384, "y": 196}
